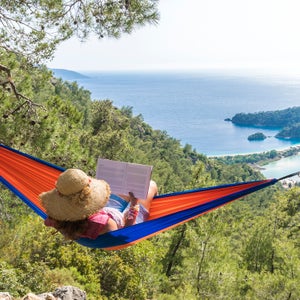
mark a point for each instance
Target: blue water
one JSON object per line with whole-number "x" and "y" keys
{"x": 191, "y": 107}
{"x": 282, "y": 167}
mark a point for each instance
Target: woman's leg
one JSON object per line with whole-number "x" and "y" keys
{"x": 136, "y": 213}
{"x": 153, "y": 190}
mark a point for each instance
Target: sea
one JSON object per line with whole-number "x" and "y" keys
{"x": 192, "y": 107}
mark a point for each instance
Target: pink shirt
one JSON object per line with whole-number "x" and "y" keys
{"x": 96, "y": 222}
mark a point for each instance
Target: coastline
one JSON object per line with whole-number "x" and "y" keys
{"x": 273, "y": 161}
{"x": 283, "y": 153}
{"x": 192, "y": 99}
{"x": 280, "y": 150}
{"x": 271, "y": 164}
{"x": 283, "y": 166}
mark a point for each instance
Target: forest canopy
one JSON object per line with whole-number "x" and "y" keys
{"x": 287, "y": 120}
{"x": 35, "y": 28}
{"x": 213, "y": 255}
{"x": 277, "y": 118}
{"x": 258, "y": 136}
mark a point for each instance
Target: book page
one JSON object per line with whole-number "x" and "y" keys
{"x": 125, "y": 177}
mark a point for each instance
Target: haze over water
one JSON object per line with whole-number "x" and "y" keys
{"x": 191, "y": 107}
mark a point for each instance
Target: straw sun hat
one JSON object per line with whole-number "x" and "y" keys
{"x": 76, "y": 196}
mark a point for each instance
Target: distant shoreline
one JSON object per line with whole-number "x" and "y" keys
{"x": 280, "y": 151}
{"x": 259, "y": 161}
{"x": 190, "y": 99}
{"x": 281, "y": 154}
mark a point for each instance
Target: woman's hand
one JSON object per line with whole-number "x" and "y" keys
{"x": 131, "y": 214}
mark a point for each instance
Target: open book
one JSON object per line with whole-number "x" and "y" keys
{"x": 125, "y": 177}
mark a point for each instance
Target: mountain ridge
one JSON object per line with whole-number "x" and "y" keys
{"x": 66, "y": 74}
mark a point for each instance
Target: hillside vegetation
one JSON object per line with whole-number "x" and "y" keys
{"x": 288, "y": 120}
{"x": 277, "y": 118}
{"x": 246, "y": 250}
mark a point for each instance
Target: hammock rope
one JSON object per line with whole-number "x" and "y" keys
{"x": 27, "y": 176}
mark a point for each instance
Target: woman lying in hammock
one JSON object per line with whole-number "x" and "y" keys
{"x": 81, "y": 206}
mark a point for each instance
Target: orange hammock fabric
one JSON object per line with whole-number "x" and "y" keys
{"x": 28, "y": 176}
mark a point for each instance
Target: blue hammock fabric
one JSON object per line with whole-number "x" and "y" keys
{"x": 27, "y": 176}
{"x": 129, "y": 235}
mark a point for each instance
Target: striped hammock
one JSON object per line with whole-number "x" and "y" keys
{"x": 27, "y": 176}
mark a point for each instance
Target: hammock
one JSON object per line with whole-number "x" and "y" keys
{"x": 27, "y": 176}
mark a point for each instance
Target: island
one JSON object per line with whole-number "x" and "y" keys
{"x": 290, "y": 132}
{"x": 287, "y": 121}
{"x": 275, "y": 119}
{"x": 258, "y": 136}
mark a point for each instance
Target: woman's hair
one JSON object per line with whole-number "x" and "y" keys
{"x": 72, "y": 230}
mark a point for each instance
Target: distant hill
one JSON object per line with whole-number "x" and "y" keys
{"x": 67, "y": 74}
{"x": 288, "y": 120}
{"x": 277, "y": 118}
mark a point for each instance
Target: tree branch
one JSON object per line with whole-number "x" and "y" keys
{"x": 22, "y": 100}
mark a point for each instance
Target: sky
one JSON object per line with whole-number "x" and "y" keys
{"x": 197, "y": 35}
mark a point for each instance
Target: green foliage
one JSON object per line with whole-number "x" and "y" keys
{"x": 10, "y": 281}
{"x": 257, "y": 158}
{"x": 291, "y": 132}
{"x": 118, "y": 280}
{"x": 246, "y": 250}
{"x": 35, "y": 28}
{"x": 259, "y": 252}
{"x": 288, "y": 119}
{"x": 258, "y": 136}
{"x": 278, "y": 118}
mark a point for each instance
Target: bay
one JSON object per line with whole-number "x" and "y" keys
{"x": 282, "y": 167}
{"x": 192, "y": 106}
